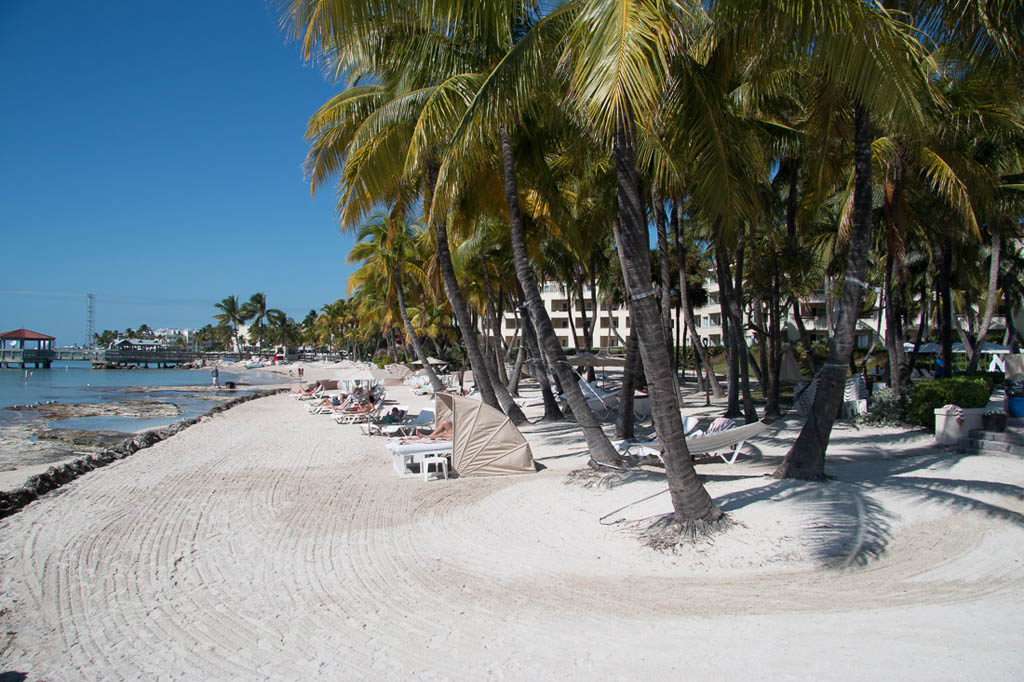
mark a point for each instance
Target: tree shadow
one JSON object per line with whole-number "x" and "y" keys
{"x": 851, "y": 527}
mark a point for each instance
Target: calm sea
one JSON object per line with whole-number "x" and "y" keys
{"x": 78, "y": 383}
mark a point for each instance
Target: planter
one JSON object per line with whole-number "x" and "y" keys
{"x": 1015, "y": 406}
{"x": 994, "y": 422}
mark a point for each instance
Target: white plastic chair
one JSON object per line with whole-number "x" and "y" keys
{"x": 439, "y": 462}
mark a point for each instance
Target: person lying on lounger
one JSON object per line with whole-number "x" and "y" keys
{"x": 330, "y": 401}
{"x": 361, "y": 408}
{"x": 442, "y": 432}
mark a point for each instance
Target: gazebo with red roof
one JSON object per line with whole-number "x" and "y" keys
{"x": 41, "y": 354}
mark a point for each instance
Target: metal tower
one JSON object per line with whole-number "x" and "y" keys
{"x": 90, "y": 324}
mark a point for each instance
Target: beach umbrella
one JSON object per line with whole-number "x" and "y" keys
{"x": 989, "y": 347}
{"x": 360, "y": 374}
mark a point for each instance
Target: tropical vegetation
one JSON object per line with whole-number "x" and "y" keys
{"x": 868, "y": 152}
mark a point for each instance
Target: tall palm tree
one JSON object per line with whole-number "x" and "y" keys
{"x": 231, "y": 313}
{"x": 256, "y": 309}
{"x": 386, "y": 244}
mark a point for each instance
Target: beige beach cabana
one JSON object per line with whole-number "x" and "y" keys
{"x": 485, "y": 441}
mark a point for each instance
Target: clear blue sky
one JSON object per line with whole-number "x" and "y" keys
{"x": 150, "y": 153}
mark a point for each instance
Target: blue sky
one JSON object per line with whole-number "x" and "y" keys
{"x": 150, "y": 153}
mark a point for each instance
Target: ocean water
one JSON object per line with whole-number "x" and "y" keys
{"x": 78, "y": 383}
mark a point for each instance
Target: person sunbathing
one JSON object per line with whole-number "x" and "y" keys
{"x": 444, "y": 431}
{"x": 312, "y": 389}
{"x": 360, "y": 408}
{"x": 329, "y": 401}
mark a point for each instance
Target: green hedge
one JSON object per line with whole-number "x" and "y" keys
{"x": 930, "y": 395}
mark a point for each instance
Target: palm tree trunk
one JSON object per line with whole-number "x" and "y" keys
{"x": 417, "y": 348}
{"x": 626, "y": 420}
{"x": 990, "y": 303}
{"x": 805, "y": 338}
{"x": 922, "y": 327}
{"x": 517, "y": 371}
{"x": 461, "y": 310}
{"x": 664, "y": 265}
{"x": 538, "y": 368}
{"x": 690, "y": 500}
{"x": 494, "y": 323}
{"x": 458, "y": 302}
{"x": 601, "y": 449}
{"x": 806, "y": 459}
{"x": 729, "y": 339}
{"x": 946, "y": 320}
{"x": 736, "y": 314}
{"x": 691, "y": 323}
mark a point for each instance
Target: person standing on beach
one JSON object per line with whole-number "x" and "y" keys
{"x": 215, "y": 373}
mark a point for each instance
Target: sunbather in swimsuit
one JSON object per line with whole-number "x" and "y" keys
{"x": 442, "y": 432}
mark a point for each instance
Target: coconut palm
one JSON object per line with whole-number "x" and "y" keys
{"x": 231, "y": 313}
{"x": 386, "y": 244}
{"x": 256, "y": 309}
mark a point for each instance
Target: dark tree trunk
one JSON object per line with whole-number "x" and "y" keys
{"x": 458, "y": 302}
{"x": 805, "y": 338}
{"x": 893, "y": 328}
{"x": 732, "y": 408}
{"x": 690, "y": 500}
{"x": 701, "y": 358}
{"x": 946, "y": 319}
{"x": 664, "y": 265}
{"x": 435, "y": 383}
{"x": 736, "y": 315}
{"x": 806, "y": 459}
{"x": 990, "y": 304}
{"x": 539, "y": 370}
{"x": 922, "y": 328}
{"x": 494, "y": 320}
{"x": 517, "y": 371}
{"x": 601, "y": 449}
{"x": 626, "y": 420}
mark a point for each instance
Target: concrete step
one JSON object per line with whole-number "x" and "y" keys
{"x": 1015, "y": 423}
{"x": 1007, "y": 436}
{"x": 981, "y": 446}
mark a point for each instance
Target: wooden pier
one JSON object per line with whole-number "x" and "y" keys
{"x": 101, "y": 358}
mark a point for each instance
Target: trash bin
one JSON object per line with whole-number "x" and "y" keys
{"x": 1015, "y": 406}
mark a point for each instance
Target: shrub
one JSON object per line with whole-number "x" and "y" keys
{"x": 930, "y": 395}
{"x": 885, "y": 409}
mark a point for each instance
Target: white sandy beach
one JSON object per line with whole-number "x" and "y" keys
{"x": 268, "y": 544}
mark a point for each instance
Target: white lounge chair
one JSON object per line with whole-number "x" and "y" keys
{"x": 409, "y": 427}
{"x": 700, "y": 443}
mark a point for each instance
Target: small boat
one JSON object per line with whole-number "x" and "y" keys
{"x": 256, "y": 364}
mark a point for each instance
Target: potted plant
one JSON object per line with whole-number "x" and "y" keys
{"x": 994, "y": 420}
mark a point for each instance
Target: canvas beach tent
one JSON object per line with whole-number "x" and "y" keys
{"x": 484, "y": 441}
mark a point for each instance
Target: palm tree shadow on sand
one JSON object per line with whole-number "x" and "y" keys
{"x": 851, "y": 527}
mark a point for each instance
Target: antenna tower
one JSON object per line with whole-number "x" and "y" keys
{"x": 90, "y": 324}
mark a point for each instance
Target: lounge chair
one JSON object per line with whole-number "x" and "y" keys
{"x": 398, "y": 415}
{"x": 700, "y": 443}
{"x": 359, "y": 417}
{"x": 408, "y": 428}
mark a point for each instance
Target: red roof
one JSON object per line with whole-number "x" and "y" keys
{"x": 27, "y": 335}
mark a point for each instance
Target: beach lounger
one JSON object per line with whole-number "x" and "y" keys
{"x": 699, "y": 442}
{"x": 375, "y": 426}
{"x": 408, "y": 428}
{"x": 358, "y": 417}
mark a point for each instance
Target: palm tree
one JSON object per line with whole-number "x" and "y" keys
{"x": 386, "y": 245}
{"x": 231, "y": 313}
{"x": 255, "y": 309}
